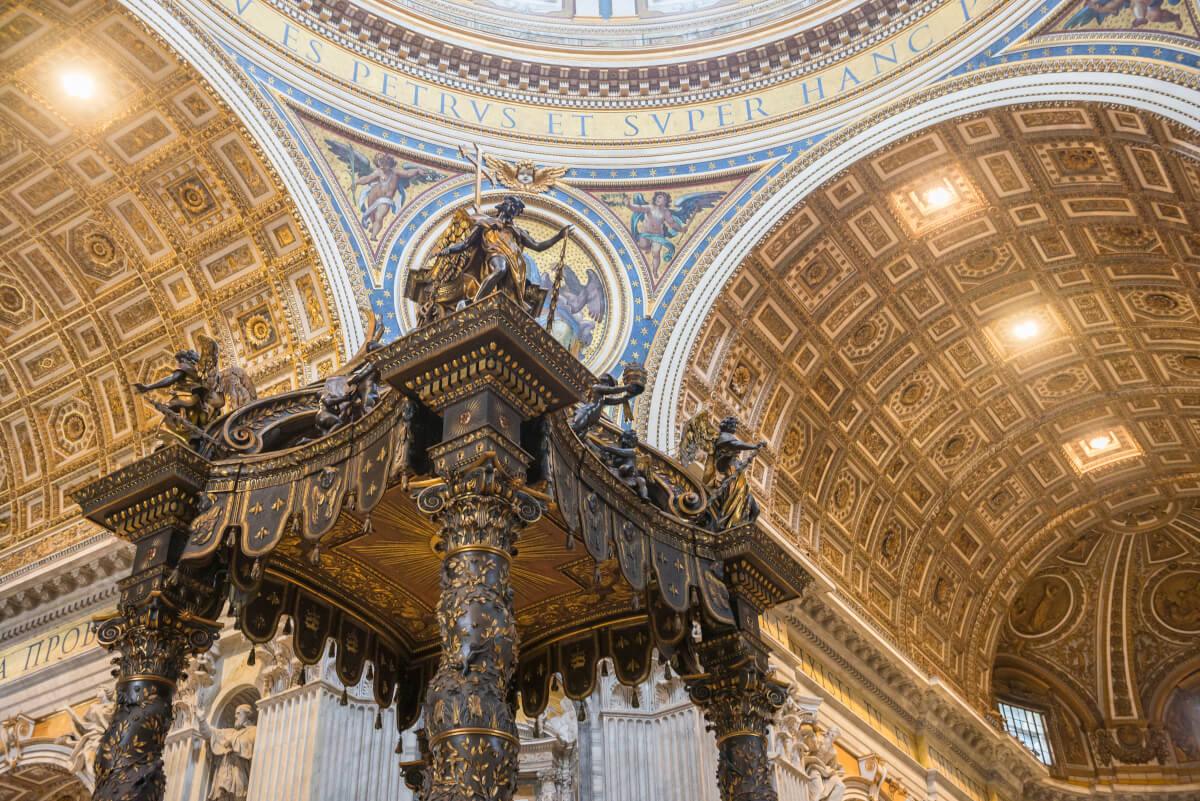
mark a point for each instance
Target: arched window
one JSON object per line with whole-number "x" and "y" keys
{"x": 1028, "y": 726}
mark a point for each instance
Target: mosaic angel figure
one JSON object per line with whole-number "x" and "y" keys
{"x": 1144, "y": 13}
{"x": 656, "y": 223}
{"x": 376, "y": 183}
{"x": 571, "y": 325}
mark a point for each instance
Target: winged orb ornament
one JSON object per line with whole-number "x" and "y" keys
{"x": 199, "y": 392}
{"x": 524, "y": 175}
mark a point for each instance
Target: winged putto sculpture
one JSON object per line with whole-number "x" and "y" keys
{"x": 199, "y": 391}
{"x": 524, "y": 176}
{"x": 730, "y": 502}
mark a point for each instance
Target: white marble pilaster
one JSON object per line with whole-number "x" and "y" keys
{"x": 659, "y": 755}
{"x": 312, "y": 748}
{"x": 185, "y": 758}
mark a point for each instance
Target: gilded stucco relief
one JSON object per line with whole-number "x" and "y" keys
{"x": 130, "y": 222}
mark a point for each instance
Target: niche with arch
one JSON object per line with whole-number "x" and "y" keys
{"x": 225, "y": 717}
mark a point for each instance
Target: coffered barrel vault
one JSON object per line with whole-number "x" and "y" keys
{"x": 130, "y": 221}
{"x": 988, "y": 336}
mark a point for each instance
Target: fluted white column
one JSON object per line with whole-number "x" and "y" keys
{"x": 184, "y": 760}
{"x": 789, "y": 782}
{"x": 285, "y": 748}
{"x": 660, "y": 755}
{"x": 357, "y": 760}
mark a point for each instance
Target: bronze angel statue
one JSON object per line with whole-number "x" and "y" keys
{"x": 730, "y": 502}
{"x": 199, "y": 391}
{"x": 489, "y": 256}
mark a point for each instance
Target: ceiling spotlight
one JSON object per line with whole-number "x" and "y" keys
{"x": 1101, "y": 442}
{"x": 78, "y": 84}
{"x": 937, "y": 197}
{"x": 1026, "y": 329}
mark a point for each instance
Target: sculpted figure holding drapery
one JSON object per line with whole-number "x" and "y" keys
{"x": 234, "y": 750}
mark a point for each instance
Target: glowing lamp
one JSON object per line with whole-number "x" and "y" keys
{"x": 1026, "y": 329}
{"x": 937, "y": 197}
{"x": 78, "y": 84}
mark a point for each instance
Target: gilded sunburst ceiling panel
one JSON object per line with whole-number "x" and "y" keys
{"x": 966, "y": 348}
{"x": 133, "y": 215}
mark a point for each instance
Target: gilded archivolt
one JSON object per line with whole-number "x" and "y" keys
{"x": 128, "y": 223}
{"x": 923, "y": 441}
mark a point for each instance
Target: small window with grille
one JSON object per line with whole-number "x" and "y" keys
{"x": 1028, "y": 726}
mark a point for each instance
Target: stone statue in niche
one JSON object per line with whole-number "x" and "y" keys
{"x": 234, "y": 750}
{"x": 85, "y": 733}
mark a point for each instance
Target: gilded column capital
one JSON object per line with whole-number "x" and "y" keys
{"x": 739, "y": 699}
{"x": 165, "y": 614}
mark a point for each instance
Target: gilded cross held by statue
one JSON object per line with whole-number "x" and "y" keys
{"x": 476, "y": 161}
{"x": 558, "y": 277}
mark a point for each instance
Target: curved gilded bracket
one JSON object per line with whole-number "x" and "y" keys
{"x": 306, "y": 486}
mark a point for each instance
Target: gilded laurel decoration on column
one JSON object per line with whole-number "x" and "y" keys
{"x": 468, "y": 714}
{"x": 154, "y": 645}
{"x": 740, "y": 701}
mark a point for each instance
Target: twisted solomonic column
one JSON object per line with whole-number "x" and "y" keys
{"x": 739, "y": 700}
{"x": 155, "y": 640}
{"x": 469, "y": 705}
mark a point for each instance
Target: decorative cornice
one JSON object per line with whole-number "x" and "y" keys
{"x": 87, "y": 581}
{"x": 766, "y": 64}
